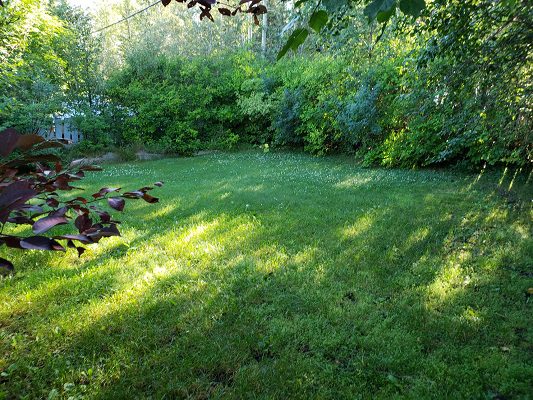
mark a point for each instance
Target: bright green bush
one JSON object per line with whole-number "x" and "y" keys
{"x": 181, "y": 105}
{"x": 392, "y": 113}
{"x": 257, "y": 105}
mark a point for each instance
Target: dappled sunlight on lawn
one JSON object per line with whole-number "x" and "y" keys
{"x": 353, "y": 182}
{"x": 246, "y": 278}
{"x": 418, "y": 236}
{"x": 164, "y": 211}
{"x": 359, "y": 227}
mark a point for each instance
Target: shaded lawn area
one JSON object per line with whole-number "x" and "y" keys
{"x": 283, "y": 276}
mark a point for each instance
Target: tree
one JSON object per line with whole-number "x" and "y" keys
{"x": 32, "y": 72}
{"x": 80, "y": 51}
{"x": 264, "y": 32}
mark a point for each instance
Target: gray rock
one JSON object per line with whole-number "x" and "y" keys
{"x": 143, "y": 156}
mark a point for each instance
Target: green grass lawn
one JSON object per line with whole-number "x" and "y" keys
{"x": 283, "y": 276}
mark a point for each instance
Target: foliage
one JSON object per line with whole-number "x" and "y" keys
{"x": 158, "y": 101}
{"x": 30, "y": 66}
{"x": 30, "y": 179}
{"x": 246, "y": 6}
{"x": 393, "y": 114}
{"x": 373, "y": 82}
{"x": 256, "y": 103}
{"x": 48, "y": 59}
{"x": 357, "y": 120}
{"x": 287, "y": 123}
{"x": 375, "y": 10}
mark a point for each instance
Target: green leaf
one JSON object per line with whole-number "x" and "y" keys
{"x": 379, "y": 6}
{"x": 296, "y": 39}
{"x": 384, "y": 16}
{"x": 318, "y": 20}
{"x": 412, "y": 7}
{"x": 299, "y": 3}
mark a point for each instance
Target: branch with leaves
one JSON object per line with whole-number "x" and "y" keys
{"x": 252, "y": 7}
{"x": 31, "y": 179}
{"x": 375, "y": 10}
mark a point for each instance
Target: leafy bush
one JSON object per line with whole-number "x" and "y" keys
{"x": 287, "y": 122}
{"x": 358, "y": 118}
{"x": 257, "y": 104}
{"x": 395, "y": 113}
{"x": 180, "y": 138}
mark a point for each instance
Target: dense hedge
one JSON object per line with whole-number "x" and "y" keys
{"x": 391, "y": 113}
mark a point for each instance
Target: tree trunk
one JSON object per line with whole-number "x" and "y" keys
{"x": 250, "y": 29}
{"x": 264, "y": 31}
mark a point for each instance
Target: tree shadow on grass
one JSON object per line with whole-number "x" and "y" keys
{"x": 380, "y": 298}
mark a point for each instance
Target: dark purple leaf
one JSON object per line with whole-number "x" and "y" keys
{"x": 32, "y": 159}
{"x": 49, "y": 144}
{"x": 79, "y": 209}
{"x": 13, "y": 197}
{"x": 60, "y": 212}
{"x": 40, "y": 243}
{"x": 11, "y": 241}
{"x": 26, "y": 142}
{"x": 83, "y": 222}
{"x": 52, "y": 202}
{"x": 8, "y": 140}
{"x": 31, "y": 208}
{"x": 80, "y": 238}
{"x": 20, "y": 220}
{"x": 8, "y": 173}
{"x": 47, "y": 223}
{"x": 62, "y": 183}
{"x": 117, "y": 203}
{"x": 102, "y": 192}
{"x": 97, "y": 232}
{"x": 150, "y": 199}
{"x": 78, "y": 199}
{"x": 104, "y": 216}
{"x": 136, "y": 194}
{"x": 111, "y": 230}
{"x": 5, "y": 266}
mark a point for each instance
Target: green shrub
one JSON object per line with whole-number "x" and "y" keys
{"x": 392, "y": 113}
{"x": 83, "y": 149}
{"x": 257, "y": 105}
{"x": 287, "y": 122}
{"x": 180, "y": 138}
{"x": 358, "y": 117}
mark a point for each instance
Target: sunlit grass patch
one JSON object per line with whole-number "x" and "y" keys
{"x": 282, "y": 276}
